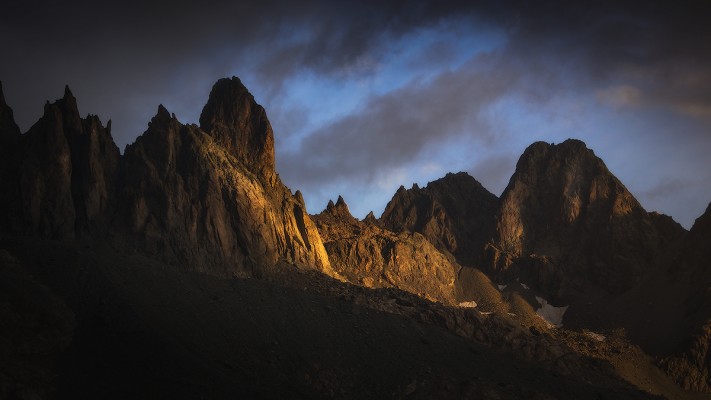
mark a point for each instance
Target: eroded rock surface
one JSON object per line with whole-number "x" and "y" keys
{"x": 63, "y": 173}
{"x": 566, "y": 222}
{"x": 369, "y": 255}
{"x": 206, "y": 198}
{"x": 456, "y": 213}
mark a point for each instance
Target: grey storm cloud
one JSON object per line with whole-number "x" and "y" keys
{"x": 392, "y": 129}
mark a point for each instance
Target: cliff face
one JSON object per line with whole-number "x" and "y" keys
{"x": 240, "y": 125}
{"x": 566, "y": 222}
{"x": 209, "y": 201}
{"x": 63, "y": 174}
{"x": 456, "y": 213}
{"x": 688, "y": 282}
{"x": 365, "y": 253}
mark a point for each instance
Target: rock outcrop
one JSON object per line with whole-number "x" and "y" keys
{"x": 456, "y": 213}
{"x": 193, "y": 201}
{"x": 66, "y": 168}
{"x": 367, "y": 254}
{"x": 206, "y": 198}
{"x": 565, "y": 223}
{"x": 240, "y": 125}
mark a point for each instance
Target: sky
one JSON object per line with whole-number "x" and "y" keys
{"x": 365, "y": 96}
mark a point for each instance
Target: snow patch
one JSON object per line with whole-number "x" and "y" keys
{"x": 502, "y": 287}
{"x": 551, "y": 314}
{"x": 524, "y": 286}
{"x": 468, "y": 304}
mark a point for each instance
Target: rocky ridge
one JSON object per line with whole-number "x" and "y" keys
{"x": 455, "y": 213}
{"x": 366, "y": 254}
{"x": 206, "y": 198}
{"x": 566, "y": 223}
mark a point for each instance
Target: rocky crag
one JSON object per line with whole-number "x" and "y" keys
{"x": 367, "y": 254}
{"x": 566, "y": 223}
{"x": 455, "y": 213}
{"x": 207, "y": 198}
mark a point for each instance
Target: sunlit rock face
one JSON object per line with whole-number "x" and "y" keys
{"x": 565, "y": 222}
{"x": 365, "y": 253}
{"x": 240, "y": 126}
{"x": 211, "y": 199}
{"x": 206, "y": 198}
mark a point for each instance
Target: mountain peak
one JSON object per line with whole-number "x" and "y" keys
{"x": 339, "y": 209}
{"x": 562, "y": 200}
{"x": 68, "y": 93}
{"x": 457, "y": 202}
{"x": 340, "y": 202}
{"x": 236, "y": 121}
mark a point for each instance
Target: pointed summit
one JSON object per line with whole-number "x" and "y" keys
{"x": 68, "y": 93}
{"x": 236, "y": 121}
{"x": 339, "y": 209}
{"x": 340, "y": 202}
{"x": 162, "y": 112}
{"x": 562, "y": 202}
{"x": 68, "y": 103}
{"x": 456, "y": 213}
{"x": 370, "y": 218}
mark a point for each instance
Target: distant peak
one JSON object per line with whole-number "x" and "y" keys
{"x": 68, "y": 93}
{"x": 338, "y": 209}
{"x": 370, "y": 218}
{"x": 162, "y": 112}
{"x": 162, "y": 116}
{"x": 299, "y": 197}
{"x": 340, "y": 202}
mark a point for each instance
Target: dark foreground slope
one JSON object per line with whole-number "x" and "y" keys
{"x": 142, "y": 329}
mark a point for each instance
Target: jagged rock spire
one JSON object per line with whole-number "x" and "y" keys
{"x": 236, "y": 121}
